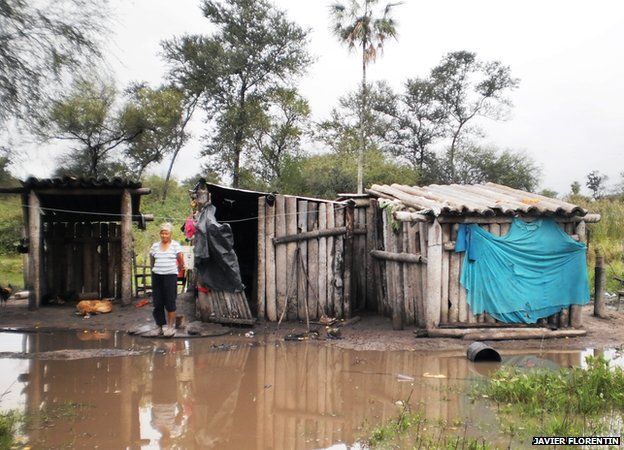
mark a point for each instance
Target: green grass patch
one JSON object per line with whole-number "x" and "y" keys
{"x": 11, "y": 271}
{"x": 413, "y": 430}
{"x": 567, "y": 402}
{"x": 10, "y": 423}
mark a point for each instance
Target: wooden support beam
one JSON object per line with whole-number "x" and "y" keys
{"x": 399, "y": 257}
{"x": 34, "y": 252}
{"x": 497, "y": 334}
{"x": 576, "y": 319}
{"x": 78, "y": 191}
{"x": 589, "y": 218}
{"x": 126, "y": 248}
{"x": 309, "y": 235}
{"x": 434, "y": 275}
{"x": 348, "y": 261}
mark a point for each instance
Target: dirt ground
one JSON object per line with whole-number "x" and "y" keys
{"x": 370, "y": 333}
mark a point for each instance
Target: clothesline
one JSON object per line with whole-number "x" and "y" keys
{"x": 166, "y": 218}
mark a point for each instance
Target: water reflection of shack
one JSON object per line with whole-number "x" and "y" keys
{"x": 389, "y": 252}
{"x": 78, "y": 236}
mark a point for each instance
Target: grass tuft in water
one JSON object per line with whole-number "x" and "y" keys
{"x": 567, "y": 402}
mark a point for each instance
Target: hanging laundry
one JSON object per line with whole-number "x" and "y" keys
{"x": 532, "y": 272}
{"x": 189, "y": 228}
{"x": 215, "y": 260}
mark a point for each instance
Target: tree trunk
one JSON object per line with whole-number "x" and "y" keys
{"x": 360, "y": 158}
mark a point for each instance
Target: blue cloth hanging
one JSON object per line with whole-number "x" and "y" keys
{"x": 532, "y": 272}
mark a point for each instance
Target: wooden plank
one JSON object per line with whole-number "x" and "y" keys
{"x": 408, "y": 287}
{"x": 378, "y": 266}
{"x": 262, "y": 261}
{"x": 292, "y": 260}
{"x": 362, "y": 256}
{"x": 34, "y": 252}
{"x": 434, "y": 275}
{"x": 126, "y": 248}
{"x": 463, "y": 305}
{"x": 371, "y": 300}
{"x": 322, "y": 262}
{"x": 312, "y": 263}
{"x": 390, "y": 268}
{"x": 306, "y": 236}
{"x": 403, "y": 257}
{"x": 422, "y": 243}
{"x": 575, "y": 318}
{"x": 454, "y": 275}
{"x": 104, "y": 260}
{"x": 397, "y": 302}
{"x": 302, "y": 282}
{"x": 271, "y": 289}
{"x": 446, "y": 263}
{"x": 414, "y": 275}
{"x": 340, "y": 292}
{"x": 281, "y": 261}
{"x": 330, "y": 262}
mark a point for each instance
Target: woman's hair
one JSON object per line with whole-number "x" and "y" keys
{"x": 166, "y": 226}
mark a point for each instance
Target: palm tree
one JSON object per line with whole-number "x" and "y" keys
{"x": 356, "y": 25}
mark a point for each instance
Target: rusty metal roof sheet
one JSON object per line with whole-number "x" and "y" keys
{"x": 487, "y": 199}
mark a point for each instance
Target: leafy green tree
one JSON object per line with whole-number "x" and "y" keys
{"x": 327, "y": 175}
{"x": 86, "y": 117}
{"x": 416, "y": 121}
{"x": 479, "y": 165}
{"x": 341, "y": 132}
{"x": 358, "y": 25}
{"x": 114, "y": 136}
{"x": 43, "y": 44}
{"x": 549, "y": 193}
{"x": 253, "y": 50}
{"x": 575, "y": 188}
{"x": 596, "y": 183}
{"x": 468, "y": 88}
{"x": 277, "y": 138}
{"x": 160, "y": 113}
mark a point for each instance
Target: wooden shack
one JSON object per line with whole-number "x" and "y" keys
{"x": 294, "y": 253}
{"x": 415, "y": 271}
{"x": 78, "y": 236}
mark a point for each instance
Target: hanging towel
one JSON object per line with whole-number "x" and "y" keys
{"x": 532, "y": 272}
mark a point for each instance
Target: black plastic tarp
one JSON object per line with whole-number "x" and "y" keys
{"x": 216, "y": 262}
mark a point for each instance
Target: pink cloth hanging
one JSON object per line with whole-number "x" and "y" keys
{"x": 189, "y": 228}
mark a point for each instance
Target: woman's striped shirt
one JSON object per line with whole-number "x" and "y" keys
{"x": 165, "y": 262}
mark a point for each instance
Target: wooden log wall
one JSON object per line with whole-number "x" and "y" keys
{"x": 82, "y": 257}
{"x": 407, "y": 289}
{"x": 304, "y": 275}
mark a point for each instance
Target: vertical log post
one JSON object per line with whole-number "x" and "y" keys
{"x": 261, "y": 263}
{"x": 434, "y": 275}
{"x": 600, "y": 280}
{"x": 34, "y": 252}
{"x": 348, "y": 260}
{"x": 576, "y": 320}
{"x": 126, "y": 248}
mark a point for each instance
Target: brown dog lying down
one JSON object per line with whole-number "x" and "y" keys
{"x": 85, "y": 307}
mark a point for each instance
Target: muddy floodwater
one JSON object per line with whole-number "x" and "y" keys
{"x": 234, "y": 393}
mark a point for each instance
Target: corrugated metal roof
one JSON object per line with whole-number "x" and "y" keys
{"x": 75, "y": 182}
{"x": 487, "y": 199}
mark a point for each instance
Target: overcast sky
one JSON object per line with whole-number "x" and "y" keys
{"x": 568, "y": 111}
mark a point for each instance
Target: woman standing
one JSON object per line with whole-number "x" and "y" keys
{"x": 167, "y": 260}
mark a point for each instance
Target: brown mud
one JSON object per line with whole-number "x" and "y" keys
{"x": 371, "y": 333}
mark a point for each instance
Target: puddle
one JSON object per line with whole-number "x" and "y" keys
{"x": 191, "y": 394}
